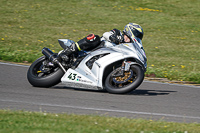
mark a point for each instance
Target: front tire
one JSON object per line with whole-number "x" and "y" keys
{"x": 128, "y": 83}
{"x": 48, "y": 78}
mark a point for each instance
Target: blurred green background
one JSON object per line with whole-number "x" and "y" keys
{"x": 171, "y": 30}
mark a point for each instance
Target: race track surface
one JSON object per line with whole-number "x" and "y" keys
{"x": 152, "y": 100}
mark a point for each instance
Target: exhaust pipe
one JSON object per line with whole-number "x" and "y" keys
{"x": 52, "y": 57}
{"x": 49, "y": 54}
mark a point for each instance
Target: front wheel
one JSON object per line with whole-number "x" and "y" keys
{"x": 126, "y": 83}
{"x": 43, "y": 73}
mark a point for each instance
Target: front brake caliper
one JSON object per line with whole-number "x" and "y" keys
{"x": 118, "y": 73}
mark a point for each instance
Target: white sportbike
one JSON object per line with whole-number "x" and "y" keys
{"x": 115, "y": 68}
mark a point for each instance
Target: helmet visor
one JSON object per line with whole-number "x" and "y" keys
{"x": 136, "y": 33}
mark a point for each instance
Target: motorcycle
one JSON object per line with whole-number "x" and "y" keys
{"x": 115, "y": 68}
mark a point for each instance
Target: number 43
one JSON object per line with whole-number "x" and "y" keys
{"x": 72, "y": 76}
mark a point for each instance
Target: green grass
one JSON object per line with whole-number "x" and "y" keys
{"x": 171, "y": 30}
{"x": 21, "y": 122}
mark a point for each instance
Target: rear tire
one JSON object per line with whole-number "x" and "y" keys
{"x": 49, "y": 79}
{"x": 134, "y": 78}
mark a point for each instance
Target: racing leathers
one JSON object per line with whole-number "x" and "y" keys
{"x": 88, "y": 43}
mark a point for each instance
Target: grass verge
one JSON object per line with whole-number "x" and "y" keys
{"x": 40, "y": 122}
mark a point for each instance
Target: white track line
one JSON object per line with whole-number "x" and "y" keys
{"x": 10, "y": 64}
{"x": 106, "y": 110}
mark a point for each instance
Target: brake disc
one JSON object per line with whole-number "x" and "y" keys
{"x": 127, "y": 76}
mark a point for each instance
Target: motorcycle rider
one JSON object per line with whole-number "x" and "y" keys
{"x": 132, "y": 32}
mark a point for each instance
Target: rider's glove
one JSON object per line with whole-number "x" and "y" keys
{"x": 116, "y": 37}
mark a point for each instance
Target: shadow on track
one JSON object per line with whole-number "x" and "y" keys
{"x": 142, "y": 92}
{"x": 139, "y": 92}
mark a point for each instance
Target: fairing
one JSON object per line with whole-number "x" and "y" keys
{"x": 91, "y": 77}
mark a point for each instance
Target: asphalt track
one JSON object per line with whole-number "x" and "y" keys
{"x": 152, "y": 100}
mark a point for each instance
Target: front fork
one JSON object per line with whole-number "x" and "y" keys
{"x": 124, "y": 68}
{"x": 52, "y": 57}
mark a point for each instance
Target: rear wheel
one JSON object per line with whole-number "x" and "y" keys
{"x": 126, "y": 83}
{"x": 43, "y": 73}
